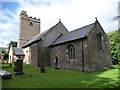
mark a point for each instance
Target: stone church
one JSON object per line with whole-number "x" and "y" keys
{"x": 86, "y": 49}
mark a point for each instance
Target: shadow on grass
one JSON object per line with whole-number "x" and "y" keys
{"x": 62, "y": 78}
{"x": 6, "y": 65}
{"x": 23, "y": 76}
{"x": 97, "y": 80}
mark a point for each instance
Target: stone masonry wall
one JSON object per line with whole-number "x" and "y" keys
{"x": 50, "y": 37}
{"x": 29, "y": 27}
{"x": 34, "y": 54}
{"x": 27, "y": 52}
{"x": 93, "y": 57}
{"x": 99, "y": 59}
{"x": 62, "y": 53}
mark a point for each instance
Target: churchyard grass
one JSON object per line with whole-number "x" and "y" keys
{"x": 61, "y": 78}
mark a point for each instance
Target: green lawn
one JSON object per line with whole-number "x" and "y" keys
{"x": 61, "y": 78}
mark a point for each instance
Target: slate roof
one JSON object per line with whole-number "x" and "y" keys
{"x": 39, "y": 36}
{"x": 18, "y": 51}
{"x": 73, "y": 35}
{"x": 36, "y": 38}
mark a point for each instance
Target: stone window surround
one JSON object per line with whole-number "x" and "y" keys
{"x": 71, "y": 51}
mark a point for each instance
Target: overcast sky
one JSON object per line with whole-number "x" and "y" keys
{"x": 73, "y": 14}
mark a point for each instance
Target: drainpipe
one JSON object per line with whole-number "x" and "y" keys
{"x": 38, "y": 55}
{"x": 82, "y": 57}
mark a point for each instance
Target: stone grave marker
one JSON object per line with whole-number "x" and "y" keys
{"x": 5, "y": 75}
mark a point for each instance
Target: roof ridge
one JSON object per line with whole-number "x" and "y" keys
{"x": 73, "y": 35}
{"x": 82, "y": 27}
{"x": 79, "y": 28}
{"x": 38, "y": 36}
{"x": 56, "y": 38}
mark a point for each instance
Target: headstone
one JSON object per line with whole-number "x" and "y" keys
{"x": 18, "y": 67}
{"x": 42, "y": 68}
{"x": 5, "y": 75}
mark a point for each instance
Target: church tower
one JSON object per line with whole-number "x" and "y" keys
{"x": 29, "y": 27}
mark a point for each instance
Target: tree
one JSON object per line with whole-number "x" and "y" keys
{"x": 114, "y": 45}
{"x": 13, "y": 44}
{"x": 117, "y": 54}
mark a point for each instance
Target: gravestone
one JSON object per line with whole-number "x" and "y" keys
{"x": 5, "y": 75}
{"x": 18, "y": 67}
{"x": 42, "y": 68}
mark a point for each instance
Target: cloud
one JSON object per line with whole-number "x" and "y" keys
{"x": 8, "y": 27}
{"x": 73, "y": 13}
{"x": 2, "y": 43}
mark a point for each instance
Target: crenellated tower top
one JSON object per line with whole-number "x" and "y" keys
{"x": 29, "y": 27}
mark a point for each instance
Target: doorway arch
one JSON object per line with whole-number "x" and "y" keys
{"x": 56, "y": 61}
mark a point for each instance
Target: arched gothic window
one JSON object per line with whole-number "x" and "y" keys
{"x": 71, "y": 51}
{"x": 99, "y": 41}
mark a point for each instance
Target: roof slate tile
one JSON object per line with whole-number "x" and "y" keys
{"x": 73, "y": 35}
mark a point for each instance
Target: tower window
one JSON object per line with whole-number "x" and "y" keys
{"x": 71, "y": 51}
{"x": 31, "y": 24}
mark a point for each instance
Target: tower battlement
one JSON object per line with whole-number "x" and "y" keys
{"x": 29, "y": 27}
{"x": 23, "y": 15}
{"x": 34, "y": 19}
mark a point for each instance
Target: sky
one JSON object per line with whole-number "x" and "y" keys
{"x": 73, "y": 14}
